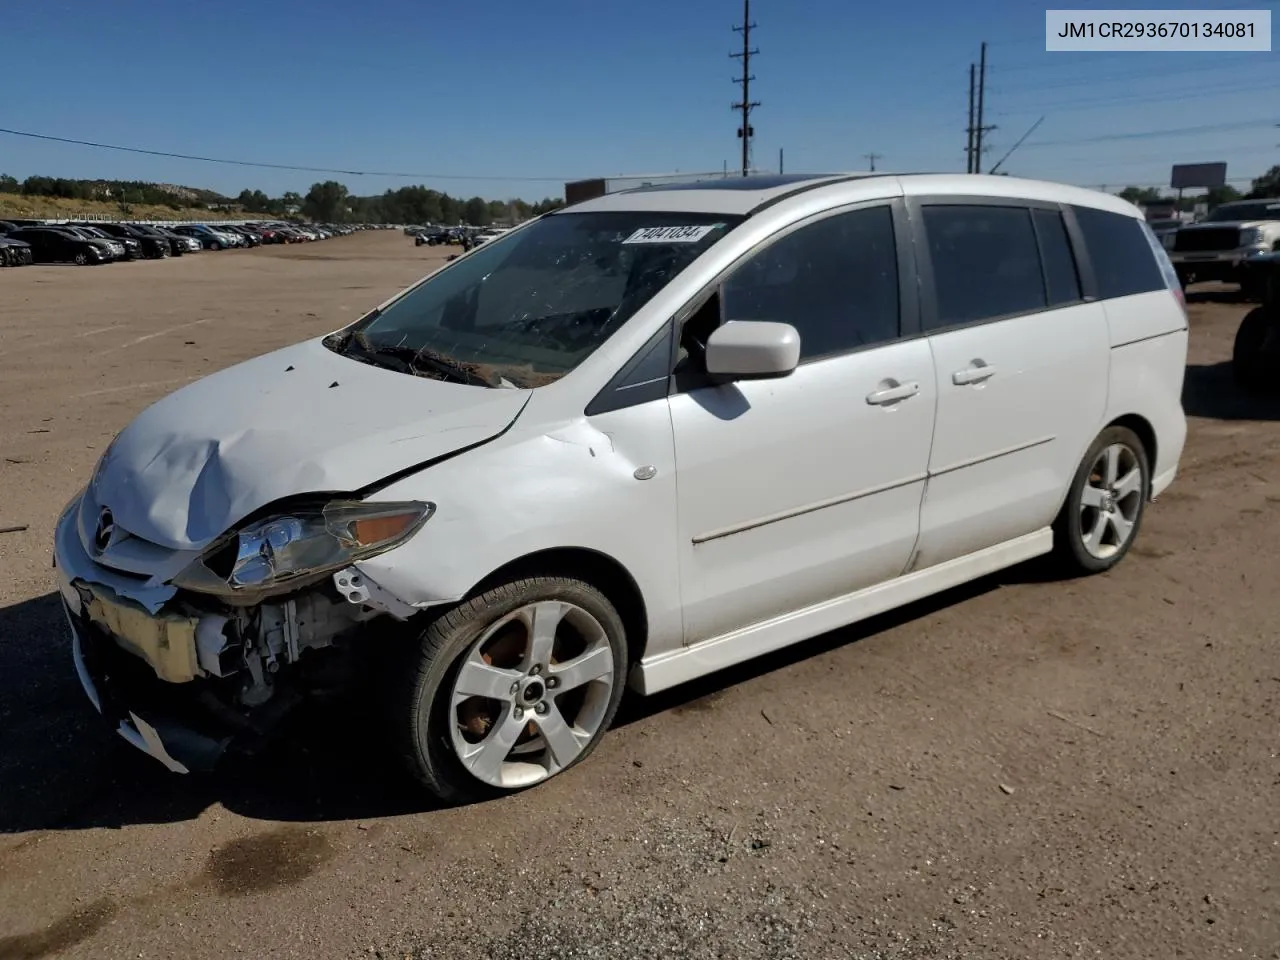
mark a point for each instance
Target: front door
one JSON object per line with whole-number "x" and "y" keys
{"x": 1022, "y": 365}
{"x": 801, "y": 489}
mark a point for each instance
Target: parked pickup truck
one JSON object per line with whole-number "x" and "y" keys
{"x": 1218, "y": 246}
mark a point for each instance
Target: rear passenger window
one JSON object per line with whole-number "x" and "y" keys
{"x": 835, "y": 281}
{"x": 1060, "y": 276}
{"x": 1119, "y": 252}
{"x": 985, "y": 262}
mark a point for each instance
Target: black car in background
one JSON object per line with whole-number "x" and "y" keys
{"x": 124, "y": 248}
{"x": 52, "y": 245}
{"x": 147, "y": 230}
{"x": 252, "y": 237}
{"x": 154, "y": 247}
{"x": 181, "y": 242}
{"x": 14, "y": 253}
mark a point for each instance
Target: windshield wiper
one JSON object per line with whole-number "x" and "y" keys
{"x": 356, "y": 345}
{"x": 449, "y": 367}
{"x": 412, "y": 359}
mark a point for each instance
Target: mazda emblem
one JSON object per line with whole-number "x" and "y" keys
{"x": 106, "y": 527}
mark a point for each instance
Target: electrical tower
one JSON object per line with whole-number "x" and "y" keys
{"x": 872, "y": 158}
{"x": 979, "y": 131}
{"x": 746, "y": 105}
{"x": 968, "y": 148}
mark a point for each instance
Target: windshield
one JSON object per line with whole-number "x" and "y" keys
{"x": 526, "y": 308}
{"x": 1262, "y": 210}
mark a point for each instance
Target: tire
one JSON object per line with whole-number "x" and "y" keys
{"x": 491, "y": 631}
{"x": 1255, "y": 356}
{"x": 81, "y": 259}
{"x": 1085, "y": 539}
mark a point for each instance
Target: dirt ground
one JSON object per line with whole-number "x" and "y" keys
{"x": 1019, "y": 769}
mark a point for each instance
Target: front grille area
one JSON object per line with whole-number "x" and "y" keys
{"x": 1206, "y": 240}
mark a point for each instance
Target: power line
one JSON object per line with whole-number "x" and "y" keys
{"x": 1193, "y": 93}
{"x": 746, "y": 131}
{"x": 1091, "y": 81}
{"x": 1114, "y": 163}
{"x": 1019, "y": 143}
{"x": 1166, "y": 71}
{"x": 280, "y": 166}
{"x": 1154, "y": 134}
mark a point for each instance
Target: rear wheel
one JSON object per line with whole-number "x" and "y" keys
{"x": 1255, "y": 357}
{"x": 1105, "y": 504}
{"x": 510, "y": 688}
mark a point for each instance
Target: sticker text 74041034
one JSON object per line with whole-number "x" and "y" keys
{"x": 690, "y": 234}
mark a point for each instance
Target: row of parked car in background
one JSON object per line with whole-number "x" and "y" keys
{"x": 93, "y": 242}
{"x": 433, "y": 235}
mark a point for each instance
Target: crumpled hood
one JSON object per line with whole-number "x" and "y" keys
{"x": 299, "y": 420}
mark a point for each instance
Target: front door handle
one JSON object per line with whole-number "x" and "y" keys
{"x": 976, "y": 373}
{"x": 902, "y": 391}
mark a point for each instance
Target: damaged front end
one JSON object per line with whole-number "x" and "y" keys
{"x": 191, "y": 664}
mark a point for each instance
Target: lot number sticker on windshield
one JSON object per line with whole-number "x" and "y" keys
{"x": 670, "y": 234}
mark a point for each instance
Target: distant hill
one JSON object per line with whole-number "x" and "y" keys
{"x": 115, "y": 191}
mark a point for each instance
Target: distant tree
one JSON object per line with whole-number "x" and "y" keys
{"x": 326, "y": 201}
{"x": 1141, "y": 195}
{"x": 254, "y": 201}
{"x": 1266, "y": 186}
{"x": 546, "y": 206}
{"x": 9, "y": 184}
{"x": 476, "y": 212}
{"x": 1223, "y": 194}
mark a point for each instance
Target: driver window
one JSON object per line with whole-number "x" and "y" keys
{"x": 835, "y": 281}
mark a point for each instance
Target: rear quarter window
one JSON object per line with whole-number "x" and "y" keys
{"x": 1123, "y": 262}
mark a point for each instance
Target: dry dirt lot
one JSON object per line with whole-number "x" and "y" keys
{"x": 1019, "y": 769}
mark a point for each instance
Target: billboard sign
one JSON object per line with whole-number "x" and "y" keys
{"x": 1191, "y": 175}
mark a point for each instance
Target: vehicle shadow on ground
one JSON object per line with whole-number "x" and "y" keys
{"x": 1210, "y": 391}
{"x": 1232, "y": 294}
{"x": 62, "y": 769}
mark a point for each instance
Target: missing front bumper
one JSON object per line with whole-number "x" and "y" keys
{"x": 180, "y": 748}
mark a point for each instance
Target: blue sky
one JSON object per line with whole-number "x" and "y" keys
{"x": 488, "y": 96}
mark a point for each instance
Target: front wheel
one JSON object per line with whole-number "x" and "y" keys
{"x": 1105, "y": 503}
{"x": 81, "y": 259}
{"x": 510, "y": 688}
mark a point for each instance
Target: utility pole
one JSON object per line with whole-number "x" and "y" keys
{"x": 746, "y": 105}
{"x": 968, "y": 150}
{"x": 779, "y": 161}
{"x": 980, "y": 131}
{"x": 873, "y": 157}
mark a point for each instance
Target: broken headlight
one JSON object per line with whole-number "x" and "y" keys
{"x": 279, "y": 552}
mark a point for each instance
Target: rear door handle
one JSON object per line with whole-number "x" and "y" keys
{"x": 974, "y": 374}
{"x": 880, "y": 398}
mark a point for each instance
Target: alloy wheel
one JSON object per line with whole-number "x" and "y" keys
{"x": 1111, "y": 500}
{"x": 531, "y": 693}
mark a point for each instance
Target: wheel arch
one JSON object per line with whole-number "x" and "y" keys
{"x": 1145, "y": 432}
{"x": 590, "y": 566}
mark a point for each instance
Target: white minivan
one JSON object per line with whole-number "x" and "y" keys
{"x": 633, "y": 441}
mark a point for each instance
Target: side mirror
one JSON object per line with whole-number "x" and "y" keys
{"x": 752, "y": 350}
